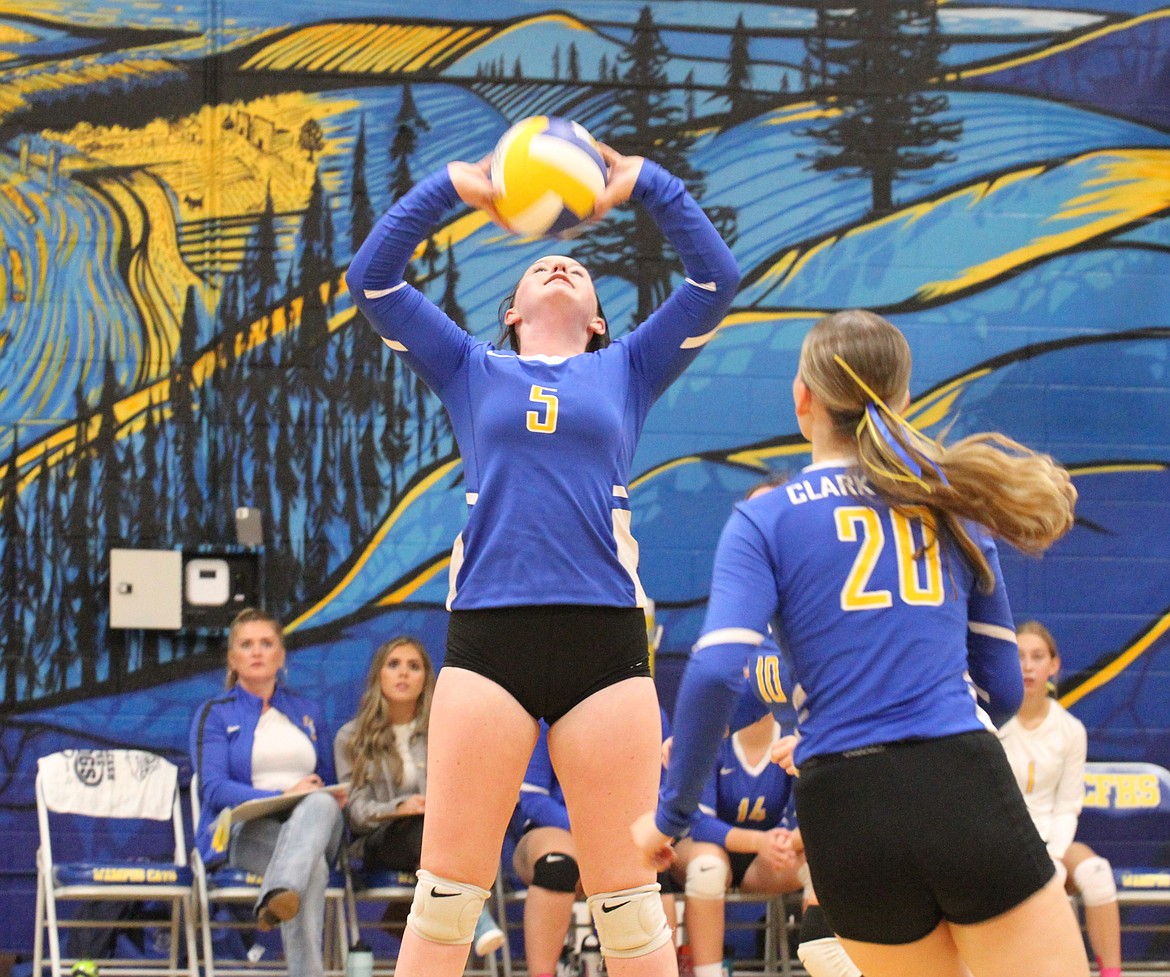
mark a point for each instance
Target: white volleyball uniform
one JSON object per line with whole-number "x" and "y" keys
{"x": 1049, "y": 764}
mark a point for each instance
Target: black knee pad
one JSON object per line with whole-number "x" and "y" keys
{"x": 556, "y": 871}
{"x": 814, "y": 926}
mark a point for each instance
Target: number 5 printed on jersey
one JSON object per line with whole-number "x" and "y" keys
{"x": 920, "y": 580}
{"x": 543, "y": 421}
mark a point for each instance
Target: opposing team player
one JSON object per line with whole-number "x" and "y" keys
{"x": 878, "y": 564}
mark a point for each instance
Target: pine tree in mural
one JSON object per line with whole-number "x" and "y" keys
{"x": 151, "y": 503}
{"x": 408, "y": 124}
{"x": 315, "y": 269}
{"x": 739, "y": 76}
{"x": 12, "y": 570}
{"x": 189, "y": 494}
{"x": 877, "y": 63}
{"x": 645, "y": 122}
{"x": 395, "y": 440}
{"x": 361, "y": 211}
{"x": 112, "y": 492}
{"x": 449, "y": 303}
{"x": 78, "y": 622}
{"x": 368, "y": 362}
{"x": 260, "y": 279}
{"x": 44, "y": 573}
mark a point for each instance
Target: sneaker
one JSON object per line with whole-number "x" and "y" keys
{"x": 488, "y": 935}
{"x": 278, "y": 906}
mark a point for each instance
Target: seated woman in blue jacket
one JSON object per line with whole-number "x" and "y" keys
{"x": 259, "y": 739}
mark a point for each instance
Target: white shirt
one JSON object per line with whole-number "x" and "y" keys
{"x": 402, "y": 735}
{"x": 1049, "y": 764}
{"x": 282, "y": 754}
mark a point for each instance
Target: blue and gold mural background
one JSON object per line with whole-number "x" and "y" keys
{"x": 182, "y": 186}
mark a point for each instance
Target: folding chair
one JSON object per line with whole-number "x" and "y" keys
{"x": 238, "y": 889}
{"x": 510, "y": 892}
{"x": 97, "y": 793}
{"x": 384, "y": 888}
{"x": 773, "y": 928}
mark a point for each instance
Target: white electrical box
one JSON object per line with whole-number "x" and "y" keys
{"x": 207, "y": 582}
{"x": 146, "y": 589}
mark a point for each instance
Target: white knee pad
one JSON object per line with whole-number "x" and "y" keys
{"x": 1094, "y": 879}
{"x": 630, "y": 922}
{"x": 826, "y": 958}
{"x": 707, "y": 877}
{"x": 445, "y": 911}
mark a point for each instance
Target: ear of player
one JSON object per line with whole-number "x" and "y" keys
{"x": 549, "y": 173}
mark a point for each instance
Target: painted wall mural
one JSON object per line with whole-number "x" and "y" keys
{"x": 183, "y": 185}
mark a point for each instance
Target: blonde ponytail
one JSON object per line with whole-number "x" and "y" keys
{"x": 856, "y": 363}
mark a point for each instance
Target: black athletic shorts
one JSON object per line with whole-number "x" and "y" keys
{"x": 550, "y": 657}
{"x": 902, "y": 836}
{"x": 740, "y": 862}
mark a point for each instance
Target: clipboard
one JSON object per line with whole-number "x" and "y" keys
{"x": 261, "y": 807}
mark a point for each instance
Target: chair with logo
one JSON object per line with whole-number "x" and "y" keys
{"x": 118, "y": 810}
{"x": 225, "y": 897}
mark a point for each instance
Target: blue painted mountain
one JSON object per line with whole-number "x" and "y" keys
{"x": 1118, "y": 69}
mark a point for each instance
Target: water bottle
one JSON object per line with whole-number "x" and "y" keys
{"x": 728, "y": 960}
{"x": 590, "y": 956}
{"x": 565, "y": 965}
{"x": 686, "y": 963}
{"x": 360, "y": 962}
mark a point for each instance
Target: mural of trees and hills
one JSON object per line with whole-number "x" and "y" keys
{"x": 183, "y": 186}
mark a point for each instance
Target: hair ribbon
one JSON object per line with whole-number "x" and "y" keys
{"x": 874, "y": 409}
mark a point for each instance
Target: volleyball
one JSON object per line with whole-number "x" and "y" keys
{"x": 85, "y": 968}
{"x": 549, "y": 173}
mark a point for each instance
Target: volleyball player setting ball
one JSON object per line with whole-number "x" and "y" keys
{"x": 546, "y": 614}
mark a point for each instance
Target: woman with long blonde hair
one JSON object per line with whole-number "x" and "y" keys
{"x": 383, "y": 752}
{"x": 878, "y": 566}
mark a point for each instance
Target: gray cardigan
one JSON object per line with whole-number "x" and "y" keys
{"x": 370, "y": 804}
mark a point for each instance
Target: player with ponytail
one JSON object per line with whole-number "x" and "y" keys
{"x": 876, "y": 566}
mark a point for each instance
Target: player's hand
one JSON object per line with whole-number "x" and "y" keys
{"x": 414, "y": 804}
{"x": 776, "y": 850}
{"x": 782, "y": 753}
{"x": 473, "y": 183}
{"x": 656, "y": 848}
{"x": 623, "y": 174}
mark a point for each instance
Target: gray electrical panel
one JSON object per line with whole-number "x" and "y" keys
{"x": 146, "y": 589}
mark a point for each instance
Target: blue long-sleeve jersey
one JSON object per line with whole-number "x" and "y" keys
{"x": 546, "y": 442}
{"x": 739, "y": 794}
{"x": 221, "y": 739}
{"x": 889, "y": 636}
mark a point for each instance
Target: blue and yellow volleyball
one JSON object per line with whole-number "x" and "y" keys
{"x": 549, "y": 174}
